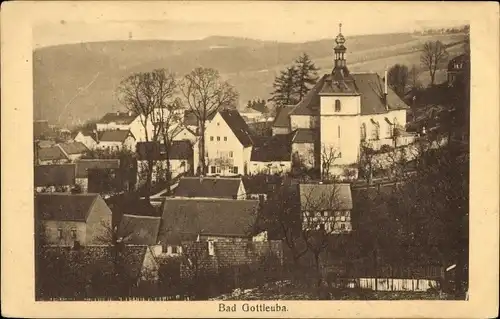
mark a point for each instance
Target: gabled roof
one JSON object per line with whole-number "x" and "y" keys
{"x": 118, "y": 118}
{"x": 368, "y": 85}
{"x": 54, "y": 175}
{"x": 304, "y": 135}
{"x": 282, "y": 118}
{"x": 190, "y": 118}
{"x": 274, "y": 148}
{"x": 139, "y": 230}
{"x": 179, "y": 150}
{"x": 208, "y": 187}
{"x": 238, "y": 125}
{"x": 260, "y": 184}
{"x": 53, "y": 153}
{"x": 83, "y": 165}
{"x": 73, "y": 148}
{"x": 114, "y": 136}
{"x": 184, "y": 219}
{"x": 64, "y": 206}
{"x": 320, "y": 197}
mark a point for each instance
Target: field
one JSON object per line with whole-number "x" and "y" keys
{"x": 76, "y": 82}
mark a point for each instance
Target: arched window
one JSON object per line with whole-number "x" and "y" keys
{"x": 363, "y": 131}
{"x": 337, "y": 105}
{"x": 376, "y": 131}
{"x": 338, "y": 133}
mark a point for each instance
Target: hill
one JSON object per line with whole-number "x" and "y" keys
{"x": 77, "y": 82}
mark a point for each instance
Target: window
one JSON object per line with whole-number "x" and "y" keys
{"x": 342, "y": 226}
{"x": 325, "y": 213}
{"x": 212, "y": 169}
{"x": 211, "y": 138}
{"x": 211, "y": 248}
{"x": 363, "y": 132}
{"x": 174, "y": 249}
{"x": 338, "y": 131}
{"x": 322, "y": 226}
{"x": 337, "y": 105}
{"x": 218, "y": 170}
{"x": 376, "y": 131}
{"x": 235, "y": 169}
{"x": 59, "y": 233}
{"x": 73, "y": 233}
{"x": 230, "y": 153}
{"x": 389, "y": 130}
{"x": 342, "y": 218}
{"x": 218, "y": 138}
{"x": 225, "y": 138}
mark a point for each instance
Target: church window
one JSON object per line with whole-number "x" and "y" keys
{"x": 337, "y": 105}
{"x": 338, "y": 131}
{"x": 376, "y": 131}
{"x": 363, "y": 132}
{"x": 389, "y": 130}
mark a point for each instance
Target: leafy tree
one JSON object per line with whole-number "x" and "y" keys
{"x": 307, "y": 75}
{"x": 205, "y": 94}
{"x": 143, "y": 93}
{"x": 433, "y": 56}
{"x": 285, "y": 89}
{"x": 397, "y": 78}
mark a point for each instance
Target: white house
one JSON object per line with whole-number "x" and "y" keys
{"x": 116, "y": 140}
{"x": 87, "y": 138}
{"x": 348, "y": 109}
{"x": 180, "y": 158}
{"x": 228, "y": 145}
{"x": 185, "y": 134}
{"x": 126, "y": 121}
{"x": 272, "y": 156}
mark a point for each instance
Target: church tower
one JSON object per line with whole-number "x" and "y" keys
{"x": 340, "y": 70}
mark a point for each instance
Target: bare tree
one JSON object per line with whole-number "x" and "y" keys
{"x": 142, "y": 94}
{"x": 169, "y": 119}
{"x": 433, "y": 56}
{"x": 397, "y": 77}
{"x": 205, "y": 94}
{"x": 328, "y": 156}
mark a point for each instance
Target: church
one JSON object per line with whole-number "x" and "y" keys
{"x": 346, "y": 110}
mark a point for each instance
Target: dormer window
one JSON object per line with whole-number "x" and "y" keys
{"x": 337, "y": 106}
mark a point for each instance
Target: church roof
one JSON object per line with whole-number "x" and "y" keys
{"x": 368, "y": 85}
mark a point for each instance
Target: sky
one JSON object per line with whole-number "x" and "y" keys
{"x": 275, "y": 21}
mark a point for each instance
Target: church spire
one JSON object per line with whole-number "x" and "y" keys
{"x": 339, "y": 50}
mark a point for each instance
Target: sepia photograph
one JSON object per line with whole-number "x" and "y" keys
{"x": 251, "y": 158}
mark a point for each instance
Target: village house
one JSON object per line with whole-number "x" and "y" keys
{"x": 195, "y": 219}
{"x": 126, "y": 121}
{"x": 260, "y": 186}
{"x": 180, "y": 158}
{"x": 84, "y": 165}
{"x": 304, "y": 143}
{"x": 185, "y": 134}
{"x": 281, "y": 124}
{"x": 228, "y": 145}
{"x": 71, "y": 218}
{"x": 272, "y": 155}
{"x": 50, "y": 155}
{"x": 348, "y": 110}
{"x": 138, "y": 229}
{"x": 326, "y": 207}
{"x": 54, "y": 178}
{"x": 457, "y": 68}
{"x": 87, "y": 138}
{"x": 73, "y": 150}
{"x": 211, "y": 187}
{"x": 116, "y": 140}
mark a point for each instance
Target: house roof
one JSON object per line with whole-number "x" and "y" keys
{"x": 54, "y": 175}
{"x": 53, "y": 153}
{"x": 114, "y": 136}
{"x": 118, "y": 118}
{"x": 64, "y": 206}
{"x": 190, "y": 118}
{"x": 260, "y": 184}
{"x": 179, "y": 150}
{"x": 139, "y": 230}
{"x": 318, "y": 197}
{"x": 238, "y": 125}
{"x": 91, "y": 263}
{"x": 45, "y": 143}
{"x": 125, "y": 204}
{"x": 368, "y": 85}
{"x": 274, "y": 148}
{"x": 184, "y": 219}
{"x": 208, "y": 187}
{"x": 282, "y": 118}
{"x": 303, "y": 135}
{"x": 459, "y": 59}
{"x": 73, "y": 148}
{"x": 83, "y": 165}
